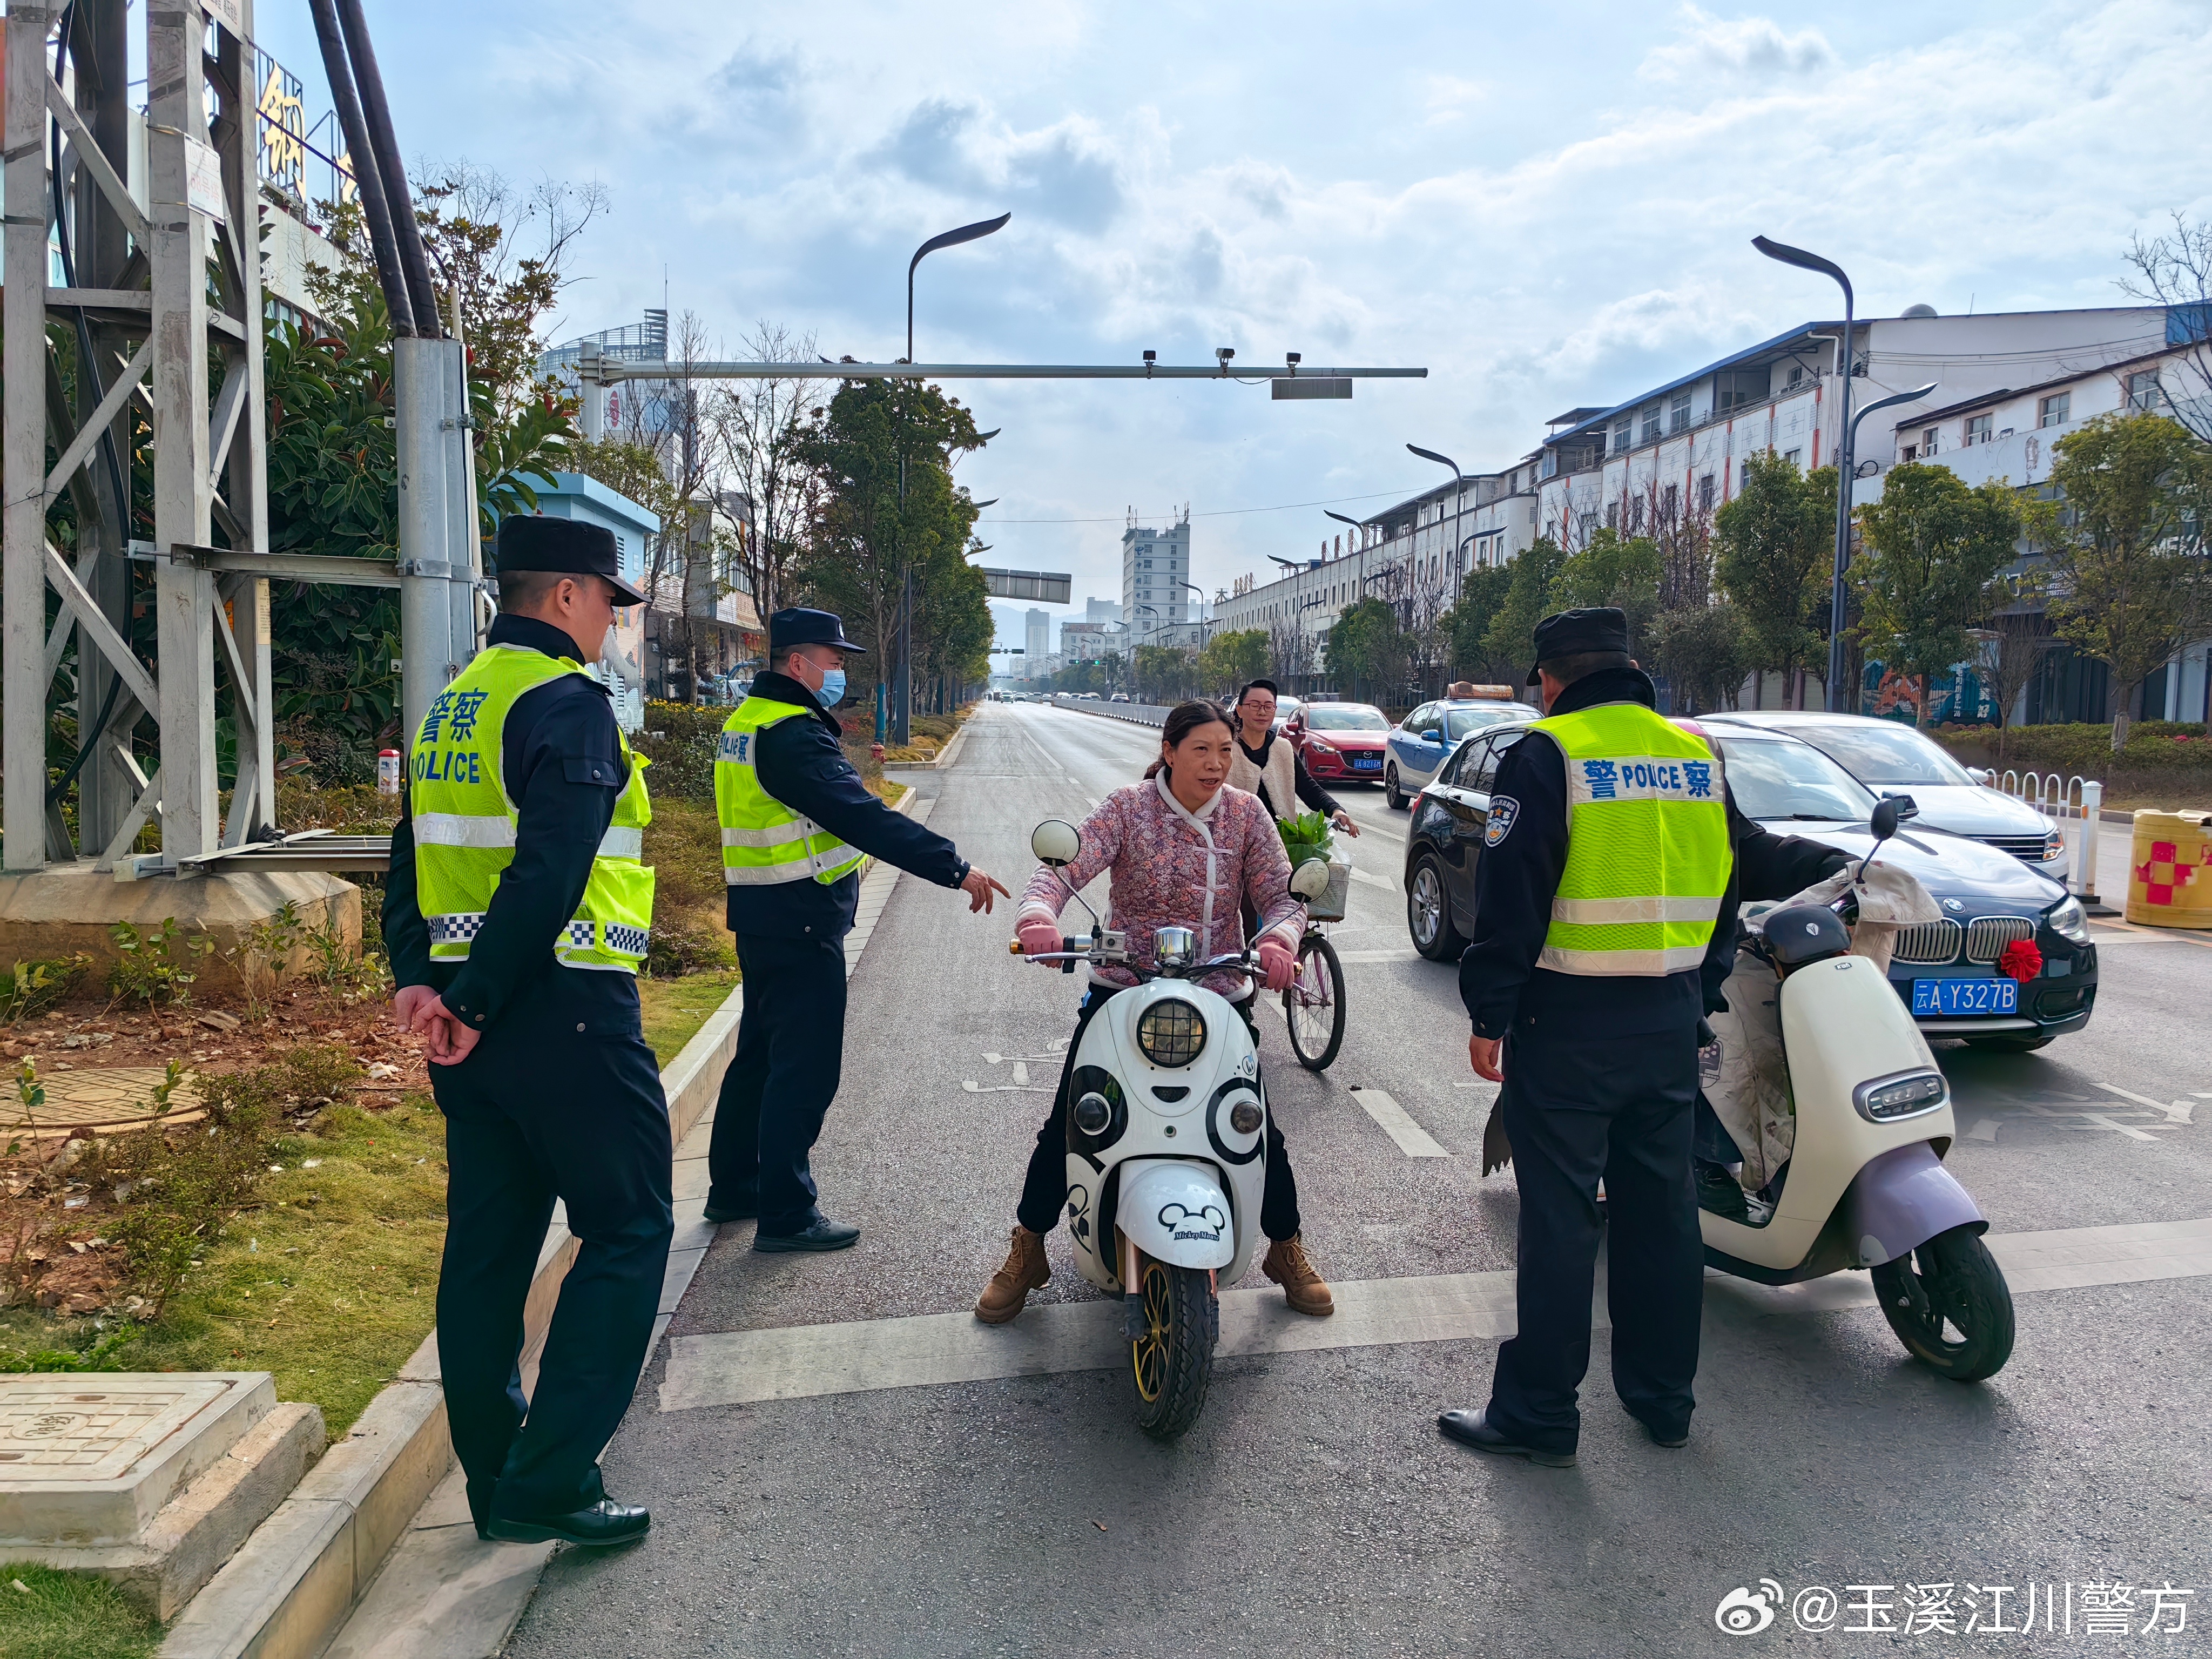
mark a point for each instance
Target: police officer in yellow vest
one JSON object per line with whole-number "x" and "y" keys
{"x": 517, "y": 912}
{"x": 796, "y": 823}
{"x": 1600, "y": 892}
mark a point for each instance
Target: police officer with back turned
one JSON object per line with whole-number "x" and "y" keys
{"x": 1605, "y": 907}
{"x": 517, "y": 913}
{"x": 796, "y": 823}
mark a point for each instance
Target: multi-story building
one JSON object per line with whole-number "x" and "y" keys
{"x": 1088, "y": 642}
{"x": 1037, "y": 634}
{"x": 1156, "y": 576}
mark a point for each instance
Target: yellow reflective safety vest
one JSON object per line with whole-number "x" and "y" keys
{"x": 1648, "y": 850}
{"x": 465, "y": 824}
{"x": 764, "y": 841}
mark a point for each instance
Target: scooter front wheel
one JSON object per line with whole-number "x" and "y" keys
{"x": 1949, "y": 1305}
{"x": 1172, "y": 1360}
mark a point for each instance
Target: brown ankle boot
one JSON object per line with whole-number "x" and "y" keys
{"x": 1026, "y": 1270}
{"x": 1306, "y": 1290}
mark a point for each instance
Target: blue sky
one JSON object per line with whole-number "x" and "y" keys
{"x": 1544, "y": 206}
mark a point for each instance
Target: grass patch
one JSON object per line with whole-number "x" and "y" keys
{"x": 331, "y": 1280}
{"x": 45, "y": 1614}
{"x": 684, "y": 845}
{"x": 675, "y": 1009}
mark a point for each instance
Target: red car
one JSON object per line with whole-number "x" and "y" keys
{"x": 1341, "y": 742}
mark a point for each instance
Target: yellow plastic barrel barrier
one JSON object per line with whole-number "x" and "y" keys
{"x": 2170, "y": 872}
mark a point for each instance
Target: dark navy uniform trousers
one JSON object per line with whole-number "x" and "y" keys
{"x": 560, "y": 1099}
{"x": 1578, "y": 1108}
{"x": 791, "y": 1050}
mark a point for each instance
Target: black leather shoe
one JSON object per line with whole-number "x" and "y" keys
{"x": 820, "y": 1234}
{"x": 1469, "y": 1429}
{"x": 604, "y": 1523}
{"x": 745, "y": 1207}
{"x": 1671, "y": 1439}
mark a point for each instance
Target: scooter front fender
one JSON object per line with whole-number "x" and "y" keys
{"x": 1899, "y": 1200}
{"x": 1175, "y": 1212}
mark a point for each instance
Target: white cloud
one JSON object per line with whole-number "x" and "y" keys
{"x": 1747, "y": 46}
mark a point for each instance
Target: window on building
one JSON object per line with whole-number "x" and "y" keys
{"x": 1706, "y": 490}
{"x": 1928, "y": 443}
{"x": 2142, "y": 391}
{"x": 2056, "y": 410}
{"x": 1678, "y": 412}
{"x": 1670, "y": 504}
{"x": 1910, "y": 452}
{"x": 1651, "y": 419}
{"x": 1796, "y": 373}
{"x": 1977, "y": 429}
{"x": 1613, "y": 516}
{"x": 1636, "y": 515}
{"x": 1623, "y": 433}
{"x": 1796, "y": 457}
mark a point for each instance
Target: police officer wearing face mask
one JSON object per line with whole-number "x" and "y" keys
{"x": 796, "y": 823}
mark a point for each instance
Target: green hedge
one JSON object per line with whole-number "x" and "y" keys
{"x": 2152, "y": 746}
{"x": 680, "y": 740}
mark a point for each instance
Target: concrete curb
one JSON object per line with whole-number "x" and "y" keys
{"x": 1132, "y": 713}
{"x": 945, "y": 756}
{"x": 289, "y": 1587}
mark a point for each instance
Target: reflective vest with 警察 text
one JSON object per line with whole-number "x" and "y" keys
{"x": 1648, "y": 851}
{"x": 764, "y": 842}
{"x": 465, "y": 826}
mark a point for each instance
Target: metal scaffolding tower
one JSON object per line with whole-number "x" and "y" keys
{"x": 164, "y": 306}
{"x": 161, "y": 299}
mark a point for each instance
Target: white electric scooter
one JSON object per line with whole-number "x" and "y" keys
{"x": 1167, "y": 1121}
{"x": 1865, "y": 1185}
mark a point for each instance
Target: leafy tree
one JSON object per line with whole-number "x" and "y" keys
{"x": 1932, "y": 544}
{"x": 2128, "y": 560}
{"x": 867, "y": 535}
{"x": 333, "y": 472}
{"x": 1611, "y": 570}
{"x": 1233, "y": 658}
{"x": 1466, "y": 626}
{"x": 1366, "y": 650}
{"x": 1163, "y": 673}
{"x": 1773, "y": 542}
{"x": 1512, "y": 636}
{"x": 1701, "y": 651}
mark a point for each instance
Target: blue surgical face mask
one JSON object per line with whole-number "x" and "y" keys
{"x": 832, "y": 688}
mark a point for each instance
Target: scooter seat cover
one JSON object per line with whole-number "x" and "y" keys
{"x": 465, "y": 826}
{"x": 1648, "y": 852}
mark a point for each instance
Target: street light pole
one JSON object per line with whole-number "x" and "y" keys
{"x": 1846, "y": 430}
{"x": 903, "y": 672}
{"x": 1361, "y": 545}
{"x": 1459, "y": 503}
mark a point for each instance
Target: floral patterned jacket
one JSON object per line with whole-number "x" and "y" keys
{"x": 1174, "y": 868}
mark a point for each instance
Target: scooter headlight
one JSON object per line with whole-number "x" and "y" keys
{"x": 1244, "y": 1117}
{"x": 1092, "y": 1113}
{"x": 1885, "y": 1099}
{"x": 1171, "y": 1032}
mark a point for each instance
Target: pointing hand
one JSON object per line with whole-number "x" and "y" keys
{"x": 979, "y": 888}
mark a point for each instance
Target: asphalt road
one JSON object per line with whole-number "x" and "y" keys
{"x": 1314, "y": 1509}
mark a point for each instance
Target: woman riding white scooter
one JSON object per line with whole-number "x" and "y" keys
{"x": 1184, "y": 850}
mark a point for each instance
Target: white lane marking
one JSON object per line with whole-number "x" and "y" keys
{"x": 1373, "y": 880}
{"x": 971, "y": 1086}
{"x": 1413, "y": 1140}
{"x": 740, "y": 1367}
{"x": 731, "y": 1368}
{"x": 1378, "y": 956}
{"x": 1986, "y": 1128}
{"x": 2098, "y": 1120}
{"x": 2179, "y": 1111}
{"x": 1021, "y": 1072}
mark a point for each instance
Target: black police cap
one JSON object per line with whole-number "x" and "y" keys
{"x": 800, "y": 626}
{"x": 1573, "y": 632}
{"x": 567, "y": 546}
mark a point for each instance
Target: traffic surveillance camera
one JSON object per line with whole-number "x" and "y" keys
{"x": 1151, "y": 356}
{"x": 1223, "y": 354}
{"x": 1294, "y": 358}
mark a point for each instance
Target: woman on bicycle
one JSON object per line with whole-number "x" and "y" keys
{"x": 1184, "y": 851}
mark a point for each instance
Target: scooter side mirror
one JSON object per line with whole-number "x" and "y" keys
{"x": 1056, "y": 842}
{"x": 1310, "y": 879}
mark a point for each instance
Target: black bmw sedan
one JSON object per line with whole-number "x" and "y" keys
{"x": 1946, "y": 971}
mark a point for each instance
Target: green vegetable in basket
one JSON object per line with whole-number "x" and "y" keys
{"x": 1305, "y": 838}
